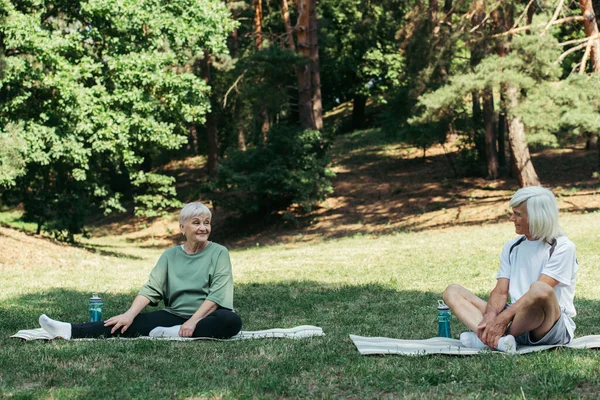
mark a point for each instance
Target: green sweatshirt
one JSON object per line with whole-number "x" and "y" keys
{"x": 184, "y": 280}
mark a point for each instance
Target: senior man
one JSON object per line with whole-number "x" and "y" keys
{"x": 537, "y": 272}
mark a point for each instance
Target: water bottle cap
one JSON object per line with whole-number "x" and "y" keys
{"x": 95, "y": 296}
{"x": 442, "y": 305}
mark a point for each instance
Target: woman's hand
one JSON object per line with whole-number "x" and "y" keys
{"x": 188, "y": 328}
{"x": 122, "y": 321}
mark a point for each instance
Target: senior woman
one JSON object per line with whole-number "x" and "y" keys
{"x": 193, "y": 279}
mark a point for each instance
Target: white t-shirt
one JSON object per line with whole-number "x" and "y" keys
{"x": 531, "y": 258}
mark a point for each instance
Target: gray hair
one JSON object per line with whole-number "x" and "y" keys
{"x": 191, "y": 210}
{"x": 542, "y": 212}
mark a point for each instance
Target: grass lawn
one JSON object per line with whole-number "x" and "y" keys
{"x": 365, "y": 285}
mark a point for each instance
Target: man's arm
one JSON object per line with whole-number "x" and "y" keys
{"x": 507, "y": 315}
{"x": 495, "y": 305}
{"x": 495, "y": 330}
{"x": 498, "y": 297}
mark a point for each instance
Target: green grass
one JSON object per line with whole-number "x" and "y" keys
{"x": 12, "y": 218}
{"x": 364, "y": 285}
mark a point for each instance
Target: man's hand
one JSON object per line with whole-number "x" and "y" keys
{"x": 122, "y": 321}
{"x": 187, "y": 329}
{"x": 492, "y": 333}
{"x": 488, "y": 319}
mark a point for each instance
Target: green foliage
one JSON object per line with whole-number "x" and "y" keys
{"x": 12, "y": 150}
{"x": 573, "y": 103}
{"x": 96, "y": 88}
{"x": 290, "y": 168}
{"x": 531, "y": 67}
{"x": 159, "y": 194}
{"x": 358, "y": 51}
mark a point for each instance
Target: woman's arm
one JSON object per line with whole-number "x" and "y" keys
{"x": 125, "y": 320}
{"x": 206, "y": 308}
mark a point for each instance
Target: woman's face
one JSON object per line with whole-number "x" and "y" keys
{"x": 197, "y": 229}
{"x": 519, "y": 218}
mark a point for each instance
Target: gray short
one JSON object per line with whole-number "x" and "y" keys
{"x": 558, "y": 334}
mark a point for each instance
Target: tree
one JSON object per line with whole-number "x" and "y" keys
{"x": 305, "y": 89}
{"x": 96, "y": 90}
{"x": 360, "y": 59}
{"x": 591, "y": 31}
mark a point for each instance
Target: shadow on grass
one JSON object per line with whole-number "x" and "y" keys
{"x": 324, "y": 367}
{"x": 103, "y": 251}
{"x": 369, "y": 309}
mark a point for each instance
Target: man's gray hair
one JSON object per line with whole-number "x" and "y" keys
{"x": 191, "y": 210}
{"x": 542, "y": 212}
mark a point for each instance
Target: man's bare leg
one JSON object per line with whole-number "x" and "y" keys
{"x": 538, "y": 313}
{"x": 467, "y": 307}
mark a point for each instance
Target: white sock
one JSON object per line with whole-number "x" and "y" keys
{"x": 55, "y": 328}
{"x": 507, "y": 344}
{"x": 165, "y": 331}
{"x": 470, "y": 339}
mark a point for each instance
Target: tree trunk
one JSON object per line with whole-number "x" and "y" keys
{"x": 477, "y": 124}
{"x": 489, "y": 122}
{"x": 258, "y": 15}
{"x": 192, "y": 139}
{"x": 502, "y": 130}
{"x": 591, "y": 29}
{"x": 285, "y": 15}
{"x": 265, "y": 124}
{"x": 234, "y": 43}
{"x": 212, "y": 142}
{"x": 241, "y": 137}
{"x": 478, "y": 50}
{"x": 315, "y": 73}
{"x": 530, "y": 14}
{"x": 504, "y": 22}
{"x": 447, "y": 6}
{"x": 521, "y": 158}
{"x": 433, "y": 15}
{"x": 211, "y": 122}
{"x": 305, "y": 108}
{"x": 359, "y": 103}
{"x": 294, "y": 116}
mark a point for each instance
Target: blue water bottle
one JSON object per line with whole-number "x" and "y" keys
{"x": 95, "y": 308}
{"x": 443, "y": 319}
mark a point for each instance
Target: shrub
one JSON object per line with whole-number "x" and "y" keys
{"x": 290, "y": 168}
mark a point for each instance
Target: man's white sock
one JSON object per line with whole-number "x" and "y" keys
{"x": 507, "y": 344}
{"x": 470, "y": 339}
{"x": 55, "y": 328}
{"x": 164, "y": 331}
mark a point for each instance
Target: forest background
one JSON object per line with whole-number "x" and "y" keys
{"x": 101, "y": 98}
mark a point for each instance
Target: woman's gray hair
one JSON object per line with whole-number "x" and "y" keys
{"x": 542, "y": 212}
{"x": 191, "y": 210}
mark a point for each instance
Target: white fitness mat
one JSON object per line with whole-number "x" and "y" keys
{"x": 439, "y": 345}
{"x": 298, "y": 332}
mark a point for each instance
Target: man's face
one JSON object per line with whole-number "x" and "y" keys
{"x": 519, "y": 218}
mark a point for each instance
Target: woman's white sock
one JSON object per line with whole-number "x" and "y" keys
{"x": 164, "y": 331}
{"x": 55, "y": 328}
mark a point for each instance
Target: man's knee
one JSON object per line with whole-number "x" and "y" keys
{"x": 452, "y": 291}
{"x": 541, "y": 292}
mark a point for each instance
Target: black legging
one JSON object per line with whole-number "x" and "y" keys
{"x": 222, "y": 323}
